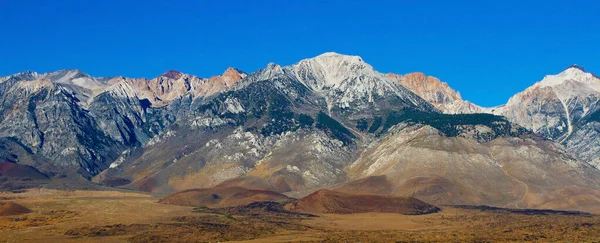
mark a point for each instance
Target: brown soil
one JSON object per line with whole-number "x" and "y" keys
{"x": 371, "y": 184}
{"x": 11, "y": 208}
{"x": 222, "y": 197}
{"x": 104, "y": 216}
{"x": 431, "y": 189}
{"x": 145, "y": 185}
{"x": 16, "y": 170}
{"x": 248, "y": 182}
{"x": 332, "y": 202}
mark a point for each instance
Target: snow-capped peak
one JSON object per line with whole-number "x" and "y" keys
{"x": 271, "y": 70}
{"x": 573, "y": 73}
{"x": 338, "y": 55}
{"x": 331, "y": 53}
{"x": 26, "y": 75}
{"x": 330, "y": 69}
{"x": 577, "y": 67}
{"x": 75, "y": 77}
{"x": 333, "y": 57}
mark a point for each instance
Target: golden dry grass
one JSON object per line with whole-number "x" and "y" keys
{"x": 105, "y": 216}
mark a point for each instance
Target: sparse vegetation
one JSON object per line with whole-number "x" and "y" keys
{"x": 334, "y": 128}
{"x": 362, "y": 124}
{"x": 451, "y": 124}
{"x": 376, "y": 124}
{"x": 86, "y": 216}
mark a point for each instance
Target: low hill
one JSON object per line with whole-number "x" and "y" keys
{"x": 222, "y": 197}
{"x": 371, "y": 185}
{"x": 248, "y": 182}
{"x": 8, "y": 169}
{"x": 327, "y": 201}
{"x": 11, "y": 208}
{"x": 15, "y": 176}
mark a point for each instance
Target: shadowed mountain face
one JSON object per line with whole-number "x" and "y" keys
{"x": 68, "y": 121}
{"x": 319, "y": 123}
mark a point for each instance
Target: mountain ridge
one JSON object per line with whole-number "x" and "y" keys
{"x": 318, "y": 123}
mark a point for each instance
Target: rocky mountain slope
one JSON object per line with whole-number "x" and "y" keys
{"x": 436, "y": 92}
{"x": 564, "y": 108}
{"x": 68, "y": 121}
{"x": 561, "y": 107}
{"x": 509, "y": 171}
{"x": 295, "y": 127}
{"x": 319, "y": 123}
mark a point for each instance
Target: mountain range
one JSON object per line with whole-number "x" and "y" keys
{"x": 331, "y": 121}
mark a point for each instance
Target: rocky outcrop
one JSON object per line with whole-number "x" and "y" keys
{"x": 294, "y": 127}
{"x": 562, "y": 107}
{"x": 172, "y": 85}
{"x": 47, "y": 119}
{"x": 436, "y": 92}
{"x": 74, "y": 121}
{"x": 318, "y": 123}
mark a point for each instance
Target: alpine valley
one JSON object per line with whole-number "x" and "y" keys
{"x": 330, "y": 122}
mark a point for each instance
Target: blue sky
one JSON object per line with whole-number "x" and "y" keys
{"x": 487, "y": 50}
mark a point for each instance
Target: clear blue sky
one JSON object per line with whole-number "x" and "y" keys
{"x": 488, "y": 50}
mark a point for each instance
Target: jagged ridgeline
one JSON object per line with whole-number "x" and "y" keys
{"x": 324, "y": 95}
{"x": 321, "y": 122}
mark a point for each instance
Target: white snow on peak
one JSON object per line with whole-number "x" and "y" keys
{"x": 331, "y": 69}
{"x": 31, "y": 73}
{"x": 346, "y": 80}
{"x": 570, "y": 74}
{"x": 26, "y": 74}
{"x": 330, "y": 54}
{"x": 75, "y": 77}
{"x": 337, "y": 55}
{"x": 570, "y": 87}
{"x": 272, "y": 70}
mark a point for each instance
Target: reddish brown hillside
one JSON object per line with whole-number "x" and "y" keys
{"x": 222, "y": 197}
{"x": 326, "y": 201}
{"x": 248, "y": 182}
{"x": 11, "y": 208}
{"x": 23, "y": 171}
{"x": 371, "y": 185}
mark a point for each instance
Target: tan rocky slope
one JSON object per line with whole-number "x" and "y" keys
{"x": 436, "y": 92}
{"x": 524, "y": 171}
{"x": 369, "y": 185}
{"x": 162, "y": 90}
